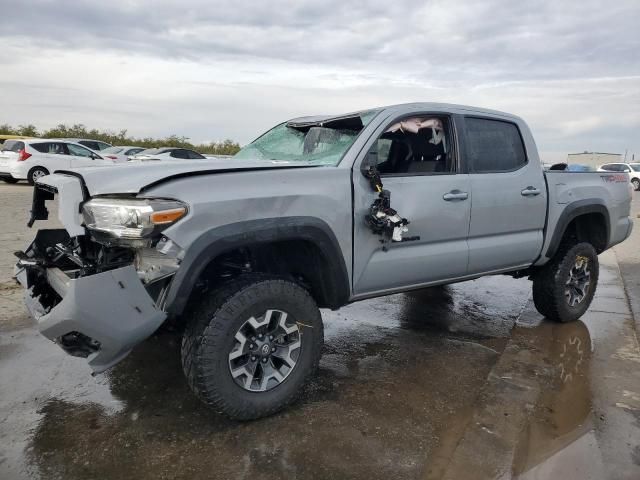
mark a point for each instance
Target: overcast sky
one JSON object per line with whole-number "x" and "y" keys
{"x": 215, "y": 69}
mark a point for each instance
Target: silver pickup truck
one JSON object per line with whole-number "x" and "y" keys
{"x": 316, "y": 213}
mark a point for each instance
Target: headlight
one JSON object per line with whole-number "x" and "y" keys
{"x": 131, "y": 219}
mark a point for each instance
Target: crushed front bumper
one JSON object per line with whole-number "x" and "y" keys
{"x": 100, "y": 317}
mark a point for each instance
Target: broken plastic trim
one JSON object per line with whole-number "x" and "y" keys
{"x": 41, "y": 193}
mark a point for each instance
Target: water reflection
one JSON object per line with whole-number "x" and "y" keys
{"x": 561, "y": 425}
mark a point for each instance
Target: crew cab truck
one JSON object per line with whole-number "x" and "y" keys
{"x": 316, "y": 213}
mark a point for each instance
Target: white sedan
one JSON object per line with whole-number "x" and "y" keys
{"x": 32, "y": 159}
{"x": 121, "y": 153}
{"x": 167, "y": 153}
{"x": 633, "y": 169}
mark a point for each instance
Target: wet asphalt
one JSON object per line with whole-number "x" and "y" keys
{"x": 408, "y": 385}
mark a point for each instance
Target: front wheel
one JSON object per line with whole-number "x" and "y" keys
{"x": 35, "y": 173}
{"x": 636, "y": 184}
{"x": 564, "y": 288}
{"x": 250, "y": 348}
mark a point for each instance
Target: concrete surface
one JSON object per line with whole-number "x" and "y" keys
{"x": 465, "y": 381}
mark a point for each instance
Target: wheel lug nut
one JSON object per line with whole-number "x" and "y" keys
{"x": 273, "y": 349}
{"x": 260, "y": 336}
{"x": 264, "y": 360}
{"x": 253, "y": 339}
{"x": 253, "y": 359}
{"x": 252, "y": 346}
{"x": 270, "y": 337}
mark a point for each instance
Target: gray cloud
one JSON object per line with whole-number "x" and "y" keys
{"x": 488, "y": 39}
{"x": 572, "y": 68}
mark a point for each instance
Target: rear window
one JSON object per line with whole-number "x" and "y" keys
{"x": 41, "y": 147}
{"x": 153, "y": 151}
{"x": 12, "y": 146}
{"x": 88, "y": 143}
{"x": 613, "y": 167}
{"x": 113, "y": 150}
{"x": 494, "y": 145}
{"x": 57, "y": 148}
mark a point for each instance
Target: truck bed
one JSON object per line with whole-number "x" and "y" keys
{"x": 568, "y": 192}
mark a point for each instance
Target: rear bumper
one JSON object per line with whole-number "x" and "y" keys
{"x": 621, "y": 231}
{"x": 9, "y": 175}
{"x": 100, "y": 317}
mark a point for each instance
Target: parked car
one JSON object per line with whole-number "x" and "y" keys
{"x": 121, "y": 153}
{"x": 167, "y": 153}
{"x": 579, "y": 167}
{"x": 32, "y": 159}
{"x": 95, "y": 145}
{"x": 633, "y": 169}
{"x": 316, "y": 213}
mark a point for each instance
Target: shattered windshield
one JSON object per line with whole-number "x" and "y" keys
{"x": 321, "y": 142}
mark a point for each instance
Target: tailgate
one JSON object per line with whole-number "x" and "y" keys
{"x": 7, "y": 159}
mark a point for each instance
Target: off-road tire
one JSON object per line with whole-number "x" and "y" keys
{"x": 209, "y": 336}
{"x": 636, "y": 184}
{"x": 9, "y": 180}
{"x": 550, "y": 281}
{"x": 32, "y": 176}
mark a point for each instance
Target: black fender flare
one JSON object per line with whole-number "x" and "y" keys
{"x": 571, "y": 212}
{"x": 222, "y": 239}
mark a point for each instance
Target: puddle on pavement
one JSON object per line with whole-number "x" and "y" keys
{"x": 395, "y": 374}
{"x": 559, "y": 440}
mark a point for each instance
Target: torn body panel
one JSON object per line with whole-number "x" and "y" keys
{"x": 70, "y": 197}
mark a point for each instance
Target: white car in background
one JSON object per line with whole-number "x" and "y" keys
{"x": 167, "y": 153}
{"x": 633, "y": 169}
{"x": 32, "y": 159}
{"x": 95, "y": 145}
{"x": 121, "y": 153}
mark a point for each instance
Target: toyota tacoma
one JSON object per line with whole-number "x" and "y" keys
{"x": 318, "y": 212}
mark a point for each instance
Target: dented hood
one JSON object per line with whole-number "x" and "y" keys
{"x": 132, "y": 177}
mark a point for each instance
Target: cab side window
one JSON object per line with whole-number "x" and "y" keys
{"x": 494, "y": 146}
{"x": 179, "y": 153}
{"x": 418, "y": 145}
{"x": 79, "y": 151}
{"x": 54, "y": 148}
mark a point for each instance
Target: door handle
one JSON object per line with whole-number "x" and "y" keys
{"x": 530, "y": 192}
{"x": 455, "y": 195}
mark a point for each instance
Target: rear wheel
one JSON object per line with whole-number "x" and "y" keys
{"x": 250, "y": 348}
{"x": 10, "y": 180}
{"x": 35, "y": 173}
{"x": 636, "y": 183}
{"x": 563, "y": 289}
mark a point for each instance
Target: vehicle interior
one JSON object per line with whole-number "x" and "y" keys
{"x": 416, "y": 145}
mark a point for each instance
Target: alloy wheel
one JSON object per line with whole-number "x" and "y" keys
{"x": 265, "y": 352}
{"x": 578, "y": 283}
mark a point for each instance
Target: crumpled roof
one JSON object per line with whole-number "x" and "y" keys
{"x": 340, "y": 122}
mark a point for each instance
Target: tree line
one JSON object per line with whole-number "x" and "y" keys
{"x": 224, "y": 147}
